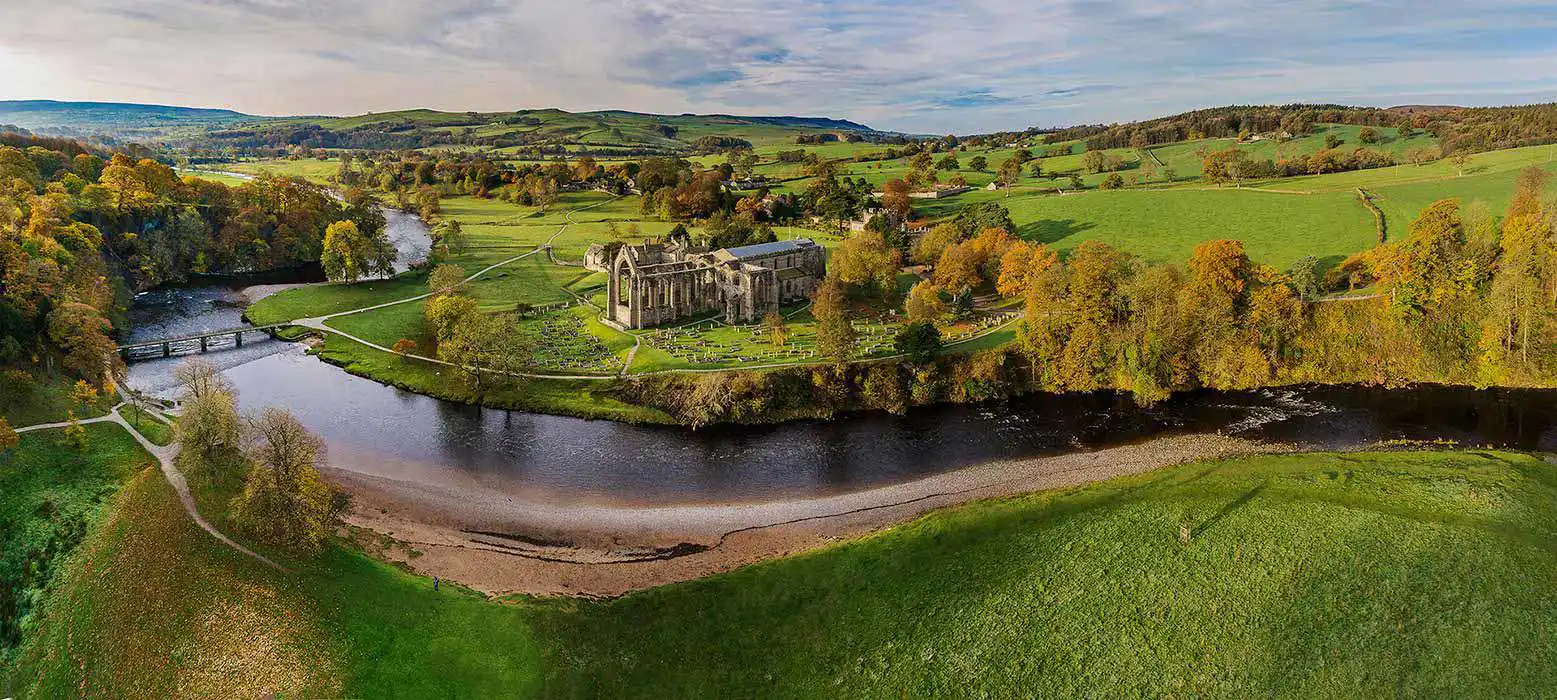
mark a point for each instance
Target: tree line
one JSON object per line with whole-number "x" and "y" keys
{"x": 79, "y": 233}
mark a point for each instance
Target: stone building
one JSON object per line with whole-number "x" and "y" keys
{"x": 657, "y": 283}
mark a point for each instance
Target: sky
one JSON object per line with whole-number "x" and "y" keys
{"x": 906, "y": 65}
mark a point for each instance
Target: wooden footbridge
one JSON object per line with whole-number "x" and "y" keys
{"x": 207, "y": 341}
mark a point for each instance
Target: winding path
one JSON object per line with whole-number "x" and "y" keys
{"x": 170, "y": 472}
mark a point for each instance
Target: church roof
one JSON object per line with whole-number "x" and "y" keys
{"x": 762, "y": 249}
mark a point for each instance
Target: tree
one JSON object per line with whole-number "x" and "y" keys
{"x": 8, "y": 437}
{"x": 1332, "y": 141}
{"x": 883, "y": 388}
{"x": 978, "y": 163}
{"x": 209, "y": 437}
{"x": 1368, "y": 135}
{"x": 1021, "y": 266}
{"x": 1459, "y": 159}
{"x": 444, "y": 311}
{"x": 895, "y": 200}
{"x": 445, "y": 279}
{"x": 866, "y": 259}
{"x": 1114, "y": 181}
{"x": 75, "y": 433}
{"x": 973, "y": 262}
{"x": 949, "y": 162}
{"x": 835, "y": 332}
{"x": 477, "y": 343}
{"x": 542, "y": 191}
{"x": 1010, "y": 172}
{"x": 928, "y": 249}
{"x": 200, "y": 378}
{"x": 778, "y": 332}
{"x": 1306, "y": 278}
{"x": 349, "y": 255}
{"x": 973, "y": 218}
{"x": 450, "y": 236}
{"x": 81, "y": 333}
{"x": 1229, "y": 165}
{"x": 403, "y": 347}
{"x": 285, "y": 501}
{"x": 83, "y": 394}
{"x": 924, "y": 304}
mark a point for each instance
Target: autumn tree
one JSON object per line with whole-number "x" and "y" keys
{"x": 1095, "y": 274}
{"x": 835, "y": 334}
{"x": 895, "y": 200}
{"x": 208, "y": 434}
{"x": 1020, "y": 267}
{"x": 445, "y": 279}
{"x": 865, "y": 259}
{"x": 928, "y": 249}
{"x": 973, "y": 262}
{"x": 778, "y": 332}
{"x": 924, "y": 303}
{"x": 8, "y": 437}
{"x": 349, "y": 255}
{"x": 1523, "y": 293}
{"x": 285, "y": 501}
{"x": 81, "y": 333}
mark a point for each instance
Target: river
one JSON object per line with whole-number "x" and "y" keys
{"x": 382, "y": 431}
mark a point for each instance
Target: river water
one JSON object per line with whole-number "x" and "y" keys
{"x": 383, "y": 431}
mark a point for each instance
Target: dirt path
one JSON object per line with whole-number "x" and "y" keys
{"x": 501, "y": 545}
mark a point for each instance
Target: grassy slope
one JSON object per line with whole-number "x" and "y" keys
{"x": 1307, "y": 576}
{"x": 48, "y": 401}
{"x": 1357, "y": 575}
{"x": 49, "y": 495}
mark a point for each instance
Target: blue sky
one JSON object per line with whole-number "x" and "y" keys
{"x": 925, "y": 67}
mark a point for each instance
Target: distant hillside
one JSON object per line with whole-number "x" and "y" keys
{"x": 118, "y": 120}
{"x": 536, "y": 132}
{"x": 522, "y": 132}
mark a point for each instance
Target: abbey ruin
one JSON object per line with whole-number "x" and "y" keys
{"x": 656, "y": 283}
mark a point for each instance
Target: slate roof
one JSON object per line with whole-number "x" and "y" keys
{"x": 764, "y": 249}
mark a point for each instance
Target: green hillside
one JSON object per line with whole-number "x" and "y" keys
{"x": 1312, "y": 576}
{"x": 116, "y": 120}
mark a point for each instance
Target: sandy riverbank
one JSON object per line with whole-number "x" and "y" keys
{"x": 501, "y": 545}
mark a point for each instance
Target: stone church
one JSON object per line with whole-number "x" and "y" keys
{"x": 657, "y": 283}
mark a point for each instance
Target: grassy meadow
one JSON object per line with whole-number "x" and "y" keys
{"x": 1422, "y": 574}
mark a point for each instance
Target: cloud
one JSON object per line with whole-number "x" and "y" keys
{"x": 913, "y": 65}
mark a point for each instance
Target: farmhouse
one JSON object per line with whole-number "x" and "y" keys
{"x": 657, "y": 283}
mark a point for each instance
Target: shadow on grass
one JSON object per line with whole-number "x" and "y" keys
{"x": 1052, "y": 230}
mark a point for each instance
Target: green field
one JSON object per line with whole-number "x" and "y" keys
{"x": 1417, "y": 574}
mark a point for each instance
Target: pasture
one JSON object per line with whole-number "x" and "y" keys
{"x": 1433, "y": 572}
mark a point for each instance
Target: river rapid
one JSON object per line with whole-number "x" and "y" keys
{"x": 386, "y": 432}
